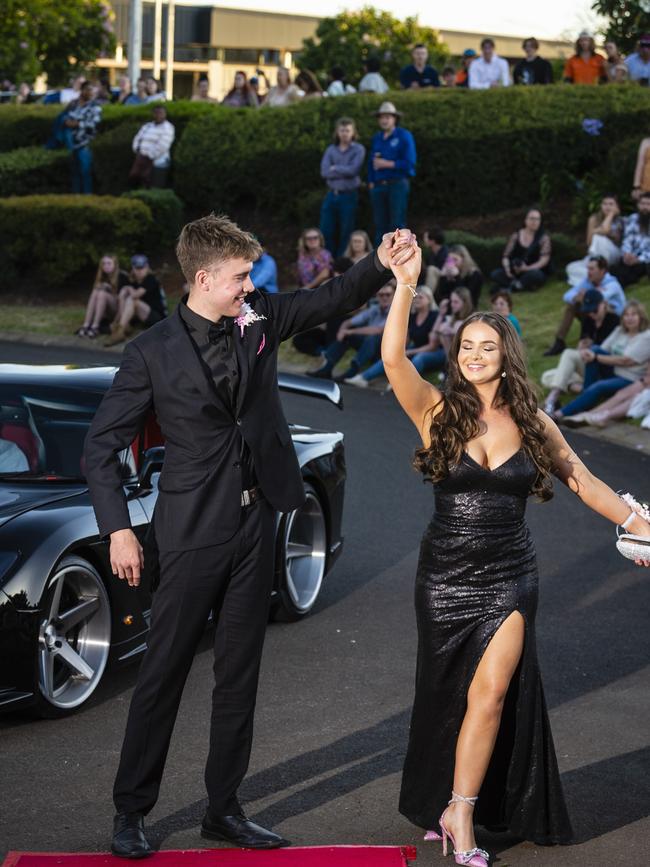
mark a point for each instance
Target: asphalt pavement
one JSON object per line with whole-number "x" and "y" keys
{"x": 336, "y": 688}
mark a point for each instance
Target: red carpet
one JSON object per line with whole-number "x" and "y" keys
{"x": 316, "y": 856}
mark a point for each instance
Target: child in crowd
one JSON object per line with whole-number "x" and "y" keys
{"x": 501, "y": 303}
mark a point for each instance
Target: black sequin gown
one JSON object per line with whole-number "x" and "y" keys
{"x": 477, "y": 565}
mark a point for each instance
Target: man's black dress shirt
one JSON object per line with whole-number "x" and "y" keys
{"x": 213, "y": 343}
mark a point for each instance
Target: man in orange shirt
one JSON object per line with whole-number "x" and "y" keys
{"x": 585, "y": 67}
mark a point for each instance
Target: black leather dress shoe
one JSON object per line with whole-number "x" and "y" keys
{"x": 240, "y": 831}
{"x": 128, "y": 836}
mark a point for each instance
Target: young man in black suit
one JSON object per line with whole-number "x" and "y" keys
{"x": 209, "y": 372}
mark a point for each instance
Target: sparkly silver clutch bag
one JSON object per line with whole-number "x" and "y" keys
{"x": 633, "y": 547}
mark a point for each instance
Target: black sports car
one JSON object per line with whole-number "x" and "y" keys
{"x": 63, "y": 615}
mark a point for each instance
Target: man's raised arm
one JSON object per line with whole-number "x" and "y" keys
{"x": 293, "y": 312}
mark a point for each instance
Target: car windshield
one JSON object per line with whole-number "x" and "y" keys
{"x": 42, "y": 432}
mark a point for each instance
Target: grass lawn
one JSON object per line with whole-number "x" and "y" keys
{"x": 538, "y": 312}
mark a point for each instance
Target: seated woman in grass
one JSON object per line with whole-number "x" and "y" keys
{"x": 459, "y": 270}
{"x": 620, "y": 360}
{"x": 453, "y": 311}
{"x": 102, "y": 304}
{"x": 421, "y": 321}
{"x": 314, "y": 259}
{"x": 616, "y": 407}
{"x": 142, "y": 302}
{"x": 358, "y": 246}
{"x": 526, "y": 260}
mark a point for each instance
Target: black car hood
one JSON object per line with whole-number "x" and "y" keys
{"x": 15, "y": 499}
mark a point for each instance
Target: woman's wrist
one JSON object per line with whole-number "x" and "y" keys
{"x": 637, "y": 526}
{"x": 412, "y": 287}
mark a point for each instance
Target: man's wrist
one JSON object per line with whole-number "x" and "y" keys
{"x": 121, "y": 533}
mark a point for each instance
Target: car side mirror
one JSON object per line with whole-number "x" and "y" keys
{"x": 152, "y": 462}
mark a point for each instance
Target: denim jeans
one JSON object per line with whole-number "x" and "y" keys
{"x": 82, "y": 170}
{"x": 389, "y": 203}
{"x": 530, "y": 280}
{"x": 595, "y": 394}
{"x": 422, "y": 362}
{"x": 368, "y": 349}
{"x": 338, "y": 216}
{"x": 599, "y": 383}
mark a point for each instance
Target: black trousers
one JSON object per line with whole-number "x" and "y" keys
{"x": 629, "y": 274}
{"x": 234, "y": 580}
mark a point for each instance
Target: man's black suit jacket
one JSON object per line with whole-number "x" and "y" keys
{"x": 199, "y": 502}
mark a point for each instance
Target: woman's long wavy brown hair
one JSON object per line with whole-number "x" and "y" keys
{"x": 457, "y": 422}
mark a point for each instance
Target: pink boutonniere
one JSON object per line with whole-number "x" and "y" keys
{"x": 247, "y": 317}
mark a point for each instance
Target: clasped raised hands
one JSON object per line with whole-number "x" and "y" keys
{"x": 399, "y": 251}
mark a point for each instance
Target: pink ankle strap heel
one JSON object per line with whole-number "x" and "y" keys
{"x": 472, "y": 857}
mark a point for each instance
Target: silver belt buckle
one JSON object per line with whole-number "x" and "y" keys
{"x": 245, "y": 498}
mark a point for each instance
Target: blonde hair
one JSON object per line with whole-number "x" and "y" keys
{"x": 210, "y": 240}
{"x": 633, "y": 304}
{"x": 468, "y": 307}
{"x": 111, "y": 279}
{"x": 425, "y": 290}
{"x": 359, "y": 233}
{"x": 302, "y": 244}
{"x": 468, "y": 265}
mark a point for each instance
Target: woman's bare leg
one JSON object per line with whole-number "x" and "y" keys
{"x": 105, "y": 302}
{"x": 480, "y": 727}
{"x": 91, "y": 307}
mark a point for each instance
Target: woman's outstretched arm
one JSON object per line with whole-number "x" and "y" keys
{"x": 592, "y": 491}
{"x": 416, "y": 396}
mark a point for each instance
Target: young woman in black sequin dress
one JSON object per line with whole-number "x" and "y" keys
{"x": 479, "y": 723}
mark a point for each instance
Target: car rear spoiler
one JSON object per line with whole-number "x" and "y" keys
{"x": 298, "y": 384}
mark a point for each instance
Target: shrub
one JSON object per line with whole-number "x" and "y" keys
{"x": 477, "y": 151}
{"x": 487, "y": 252}
{"x": 167, "y": 213}
{"x": 47, "y": 240}
{"x": 113, "y": 157}
{"x": 34, "y": 170}
{"x": 24, "y": 125}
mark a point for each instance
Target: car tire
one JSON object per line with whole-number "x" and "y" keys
{"x": 74, "y": 637}
{"x": 301, "y": 559}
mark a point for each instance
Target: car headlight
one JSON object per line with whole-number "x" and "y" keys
{"x": 7, "y": 560}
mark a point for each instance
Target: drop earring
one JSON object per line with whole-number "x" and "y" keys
{"x": 503, "y": 375}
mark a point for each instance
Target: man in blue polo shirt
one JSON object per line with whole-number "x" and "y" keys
{"x": 419, "y": 75}
{"x": 391, "y": 165}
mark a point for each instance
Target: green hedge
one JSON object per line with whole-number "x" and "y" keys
{"x": 487, "y": 252}
{"x": 477, "y": 151}
{"x": 113, "y": 157}
{"x": 32, "y": 170}
{"x": 167, "y": 216}
{"x": 48, "y": 240}
{"x": 25, "y": 125}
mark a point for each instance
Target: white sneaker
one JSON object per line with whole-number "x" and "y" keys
{"x": 576, "y": 420}
{"x": 357, "y": 380}
{"x": 597, "y": 419}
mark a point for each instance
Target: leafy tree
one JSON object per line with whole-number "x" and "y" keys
{"x": 55, "y": 37}
{"x": 350, "y": 38}
{"x": 626, "y": 20}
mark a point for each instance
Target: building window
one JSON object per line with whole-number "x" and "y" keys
{"x": 270, "y": 57}
{"x": 241, "y": 55}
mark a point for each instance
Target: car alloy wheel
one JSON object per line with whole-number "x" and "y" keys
{"x": 303, "y": 558}
{"x": 74, "y": 638}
